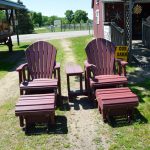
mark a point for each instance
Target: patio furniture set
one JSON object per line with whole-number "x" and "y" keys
{"x": 40, "y": 83}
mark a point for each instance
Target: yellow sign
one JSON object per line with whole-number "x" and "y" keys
{"x": 121, "y": 52}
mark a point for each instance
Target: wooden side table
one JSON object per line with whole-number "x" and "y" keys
{"x": 73, "y": 70}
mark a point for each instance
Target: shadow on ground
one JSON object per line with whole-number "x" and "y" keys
{"x": 76, "y": 102}
{"x": 9, "y": 61}
{"x": 121, "y": 122}
{"x": 59, "y": 128}
{"x": 141, "y": 60}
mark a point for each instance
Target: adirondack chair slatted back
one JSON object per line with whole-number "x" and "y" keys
{"x": 100, "y": 52}
{"x": 41, "y": 59}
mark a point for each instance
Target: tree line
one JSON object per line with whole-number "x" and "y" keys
{"x": 28, "y": 20}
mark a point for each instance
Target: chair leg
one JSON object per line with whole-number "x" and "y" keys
{"x": 21, "y": 120}
{"x": 89, "y": 94}
{"x": 52, "y": 117}
{"x": 99, "y": 109}
{"x": 86, "y": 87}
{"x": 21, "y": 92}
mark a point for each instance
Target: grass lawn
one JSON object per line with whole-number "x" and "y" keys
{"x": 45, "y": 30}
{"x": 119, "y": 136}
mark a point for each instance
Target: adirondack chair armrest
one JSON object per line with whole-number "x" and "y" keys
{"x": 121, "y": 66}
{"x": 21, "y": 67}
{"x": 21, "y": 71}
{"x": 57, "y": 66}
{"x": 89, "y": 68}
{"x": 57, "y": 71}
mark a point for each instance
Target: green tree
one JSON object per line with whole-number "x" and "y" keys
{"x": 25, "y": 25}
{"x": 80, "y": 15}
{"x": 64, "y": 20}
{"x": 51, "y": 19}
{"x": 37, "y": 19}
{"x": 45, "y": 20}
{"x": 69, "y": 15}
{"x": 2, "y": 15}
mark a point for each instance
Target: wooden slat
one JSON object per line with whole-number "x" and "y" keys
{"x": 34, "y": 108}
{"x": 112, "y": 81}
{"x": 36, "y": 98}
{"x": 116, "y": 96}
{"x": 112, "y": 91}
{"x": 49, "y": 68}
{"x": 37, "y": 60}
{"x": 35, "y": 102}
{"x": 40, "y": 83}
{"x": 41, "y": 49}
{"x": 126, "y": 101}
{"x": 45, "y": 56}
{"x": 37, "y": 95}
{"x": 103, "y": 77}
{"x": 73, "y": 69}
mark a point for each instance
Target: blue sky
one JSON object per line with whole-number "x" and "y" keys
{"x": 57, "y": 7}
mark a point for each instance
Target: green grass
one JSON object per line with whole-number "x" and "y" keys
{"x": 45, "y": 30}
{"x": 78, "y": 46}
{"x": 41, "y": 30}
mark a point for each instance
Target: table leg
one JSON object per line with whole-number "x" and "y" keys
{"x": 81, "y": 87}
{"x": 68, "y": 84}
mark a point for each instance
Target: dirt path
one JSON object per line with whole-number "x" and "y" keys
{"x": 80, "y": 119}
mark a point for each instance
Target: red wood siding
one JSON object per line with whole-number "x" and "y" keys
{"x": 98, "y": 28}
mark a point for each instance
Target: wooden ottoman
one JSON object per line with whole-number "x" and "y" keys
{"x": 116, "y": 102}
{"x": 38, "y": 108}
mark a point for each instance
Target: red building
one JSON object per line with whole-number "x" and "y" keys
{"x": 106, "y": 11}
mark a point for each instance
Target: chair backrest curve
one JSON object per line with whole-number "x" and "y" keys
{"x": 101, "y": 53}
{"x": 41, "y": 58}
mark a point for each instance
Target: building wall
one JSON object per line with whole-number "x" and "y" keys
{"x": 98, "y": 27}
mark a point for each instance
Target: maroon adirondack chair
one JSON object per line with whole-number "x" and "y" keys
{"x": 100, "y": 69}
{"x": 41, "y": 72}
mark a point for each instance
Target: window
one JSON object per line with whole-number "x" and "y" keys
{"x": 97, "y": 16}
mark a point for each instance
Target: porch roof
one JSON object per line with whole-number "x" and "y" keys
{"x": 137, "y": 1}
{"x": 7, "y": 4}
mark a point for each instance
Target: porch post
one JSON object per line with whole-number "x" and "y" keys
{"x": 128, "y": 26}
